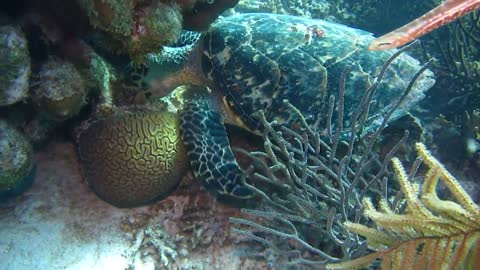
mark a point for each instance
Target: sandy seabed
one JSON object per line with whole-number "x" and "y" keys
{"x": 59, "y": 223}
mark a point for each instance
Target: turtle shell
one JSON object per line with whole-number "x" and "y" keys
{"x": 259, "y": 60}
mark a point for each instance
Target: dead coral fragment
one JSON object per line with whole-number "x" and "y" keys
{"x": 433, "y": 233}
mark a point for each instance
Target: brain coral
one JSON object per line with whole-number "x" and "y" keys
{"x": 132, "y": 158}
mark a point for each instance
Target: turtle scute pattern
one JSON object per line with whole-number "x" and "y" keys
{"x": 209, "y": 152}
{"x": 132, "y": 158}
{"x": 261, "y": 59}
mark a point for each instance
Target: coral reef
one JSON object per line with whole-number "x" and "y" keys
{"x": 190, "y": 223}
{"x": 66, "y": 73}
{"x": 101, "y": 76}
{"x": 312, "y": 179}
{"x": 133, "y": 156}
{"x": 455, "y": 48}
{"x": 143, "y": 27}
{"x": 60, "y": 214}
{"x": 161, "y": 25}
{"x": 447, "y": 114}
{"x": 158, "y": 245}
{"x": 454, "y": 138}
{"x": 113, "y": 16}
{"x": 472, "y": 126}
{"x": 14, "y": 66}
{"x": 59, "y": 90}
{"x": 16, "y": 161}
{"x": 253, "y": 72}
{"x": 136, "y": 27}
{"x": 39, "y": 130}
{"x": 423, "y": 231}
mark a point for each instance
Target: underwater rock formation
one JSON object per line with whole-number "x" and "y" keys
{"x": 14, "y": 65}
{"x": 113, "y": 16}
{"x": 135, "y": 27}
{"x": 59, "y": 90}
{"x": 160, "y": 24}
{"x": 16, "y": 161}
{"x": 142, "y": 27}
{"x": 133, "y": 157}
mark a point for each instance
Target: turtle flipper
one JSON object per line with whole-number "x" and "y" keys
{"x": 209, "y": 151}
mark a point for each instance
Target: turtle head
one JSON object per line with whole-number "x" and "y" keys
{"x": 180, "y": 64}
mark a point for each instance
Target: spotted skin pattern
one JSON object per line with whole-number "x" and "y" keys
{"x": 258, "y": 60}
{"x": 130, "y": 159}
{"x": 169, "y": 58}
{"x": 209, "y": 152}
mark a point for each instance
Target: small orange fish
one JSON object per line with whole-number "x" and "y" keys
{"x": 446, "y": 12}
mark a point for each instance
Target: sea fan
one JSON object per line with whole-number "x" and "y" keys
{"x": 430, "y": 233}
{"x": 310, "y": 180}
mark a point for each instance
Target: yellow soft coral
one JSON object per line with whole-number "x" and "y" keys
{"x": 430, "y": 233}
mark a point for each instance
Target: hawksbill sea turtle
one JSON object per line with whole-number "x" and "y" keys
{"x": 254, "y": 62}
